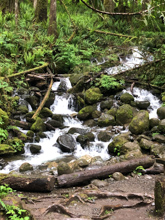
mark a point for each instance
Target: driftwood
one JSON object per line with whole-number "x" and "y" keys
{"x": 28, "y": 183}
{"x": 87, "y": 175}
{"x": 45, "y": 97}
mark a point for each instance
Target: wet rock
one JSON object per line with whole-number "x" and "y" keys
{"x": 22, "y": 109}
{"x": 161, "y": 126}
{"x": 5, "y": 119}
{"x": 124, "y": 114}
{"x": 6, "y": 149}
{"x": 63, "y": 168}
{"x": 30, "y": 133}
{"x": 58, "y": 117}
{"x": 159, "y": 138}
{"x": 34, "y": 148}
{"x": 118, "y": 176}
{"x": 112, "y": 111}
{"x": 33, "y": 101}
{"x": 62, "y": 87}
{"x": 106, "y": 120}
{"x": 90, "y": 123}
{"x": 25, "y": 167}
{"x": 104, "y": 136}
{"x": 161, "y": 113}
{"x": 86, "y": 112}
{"x": 77, "y": 130}
{"x": 22, "y": 91}
{"x": 66, "y": 143}
{"x": 74, "y": 78}
{"x": 154, "y": 122}
{"x": 97, "y": 160}
{"x": 140, "y": 123}
{"x": 107, "y": 104}
{"x": 142, "y": 104}
{"x": 85, "y": 139}
{"x": 126, "y": 98}
{"x": 50, "y": 100}
{"x": 45, "y": 112}
{"x": 79, "y": 87}
{"x": 53, "y": 124}
{"x": 2, "y": 163}
{"x": 93, "y": 95}
{"x": 38, "y": 125}
{"x": 99, "y": 183}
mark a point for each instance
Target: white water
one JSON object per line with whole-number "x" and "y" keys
{"x": 49, "y": 152}
{"x": 133, "y": 60}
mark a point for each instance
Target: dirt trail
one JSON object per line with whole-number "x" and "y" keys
{"x": 87, "y": 202}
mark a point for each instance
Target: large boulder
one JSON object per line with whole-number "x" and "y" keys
{"x": 85, "y": 139}
{"x": 154, "y": 122}
{"x": 77, "y": 130}
{"x": 5, "y": 119}
{"x": 34, "y": 148}
{"x": 93, "y": 95}
{"x": 161, "y": 113}
{"x": 66, "y": 143}
{"x": 106, "y": 120}
{"x": 25, "y": 167}
{"x": 140, "y": 123}
{"x": 51, "y": 124}
{"x": 38, "y": 125}
{"x": 124, "y": 114}
{"x": 86, "y": 112}
{"x": 104, "y": 136}
{"x": 126, "y": 98}
{"x": 146, "y": 144}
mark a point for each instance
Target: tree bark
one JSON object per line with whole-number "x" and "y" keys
{"x": 16, "y": 12}
{"x": 52, "y": 30}
{"x": 123, "y": 167}
{"x": 41, "y": 10}
{"x": 35, "y": 4}
{"x": 160, "y": 197}
{"x": 28, "y": 183}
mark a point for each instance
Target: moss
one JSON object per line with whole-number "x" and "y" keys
{"x": 116, "y": 144}
{"x": 93, "y": 95}
{"x": 23, "y": 109}
{"x": 5, "y": 119}
{"x": 38, "y": 125}
{"x": 6, "y": 149}
{"x": 126, "y": 98}
{"x": 124, "y": 114}
{"x": 86, "y": 112}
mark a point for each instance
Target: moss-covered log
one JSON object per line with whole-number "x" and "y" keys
{"x": 160, "y": 196}
{"x": 28, "y": 183}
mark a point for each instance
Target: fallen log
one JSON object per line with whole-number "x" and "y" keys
{"x": 28, "y": 183}
{"x": 102, "y": 172}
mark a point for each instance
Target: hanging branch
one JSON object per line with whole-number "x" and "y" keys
{"x": 114, "y": 34}
{"x": 45, "y": 97}
{"x": 120, "y": 13}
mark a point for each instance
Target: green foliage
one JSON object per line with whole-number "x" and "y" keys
{"x": 3, "y": 135}
{"x": 154, "y": 134}
{"x": 12, "y": 212}
{"x": 138, "y": 170}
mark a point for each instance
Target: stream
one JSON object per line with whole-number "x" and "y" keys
{"x": 64, "y": 105}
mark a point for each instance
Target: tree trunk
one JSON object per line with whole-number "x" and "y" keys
{"x": 52, "y": 19}
{"x": 160, "y": 197}
{"x": 109, "y": 5}
{"x": 7, "y": 5}
{"x": 35, "y": 4}
{"x": 41, "y": 10}
{"x": 123, "y": 167}
{"x": 28, "y": 183}
{"x": 16, "y": 12}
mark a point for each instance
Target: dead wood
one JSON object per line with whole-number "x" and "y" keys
{"x": 120, "y": 13}
{"x": 45, "y": 97}
{"x": 59, "y": 209}
{"x": 32, "y": 77}
{"x": 102, "y": 172}
{"x": 28, "y": 183}
{"x": 132, "y": 85}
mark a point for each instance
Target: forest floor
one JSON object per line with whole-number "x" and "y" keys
{"x": 128, "y": 199}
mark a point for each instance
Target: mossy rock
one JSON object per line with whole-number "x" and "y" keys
{"x": 5, "y": 119}
{"x": 107, "y": 104}
{"x": 38, "y": 125}
{"x": 93, "y": 95}
{"x": 126, "y": 98}
{"x": 124, "y": 114}
{"x": 104, "y": 136}
{"x": 85, "y": 139}
{"x": 106, "y": 120}
{"x": 6, "y": 149}
{"x": 161, "y": 113}
{"x": 157, "y": 150}
{"x": 63, "y": 168}
{"x": 86, "y": 112}
{"x": 140, "y": 123}
{"x": 154, "y": 122}
{"x": 22, "y": 109}
{"x": 58, "y": 117}
{"x": 161, "y": 126}
{"x": 163, "y": 99}
{"x": 112, "y": 111}
{"x": 25, "y": 167}
{"x": 146, "y": 144}
{"x": 30, "y": 133}
{"x": 115, "y": 146}
{"x": 74, "y": 78}
{"x": 45, "y": 112}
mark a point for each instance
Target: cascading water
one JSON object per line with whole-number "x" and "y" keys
{"x": 63, "y": 106}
